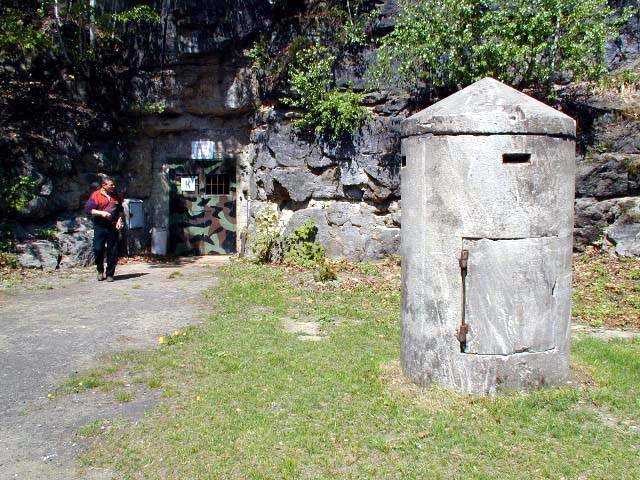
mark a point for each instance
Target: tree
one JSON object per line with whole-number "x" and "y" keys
{"x": 526, "y": 43}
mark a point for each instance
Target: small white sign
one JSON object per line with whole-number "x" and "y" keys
{"x": 203, "y": 150}
{"x": 188, "y": 184}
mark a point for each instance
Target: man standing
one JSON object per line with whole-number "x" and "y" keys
{"x": 105, "y": 207}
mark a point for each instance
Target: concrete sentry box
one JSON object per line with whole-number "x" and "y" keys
{"x": 487, "y": 224}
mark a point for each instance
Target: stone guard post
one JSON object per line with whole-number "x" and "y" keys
{"x": 487, "y": 224}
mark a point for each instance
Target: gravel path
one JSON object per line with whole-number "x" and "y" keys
{"x": 65, "y": 324}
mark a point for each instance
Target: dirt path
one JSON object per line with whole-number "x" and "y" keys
{"x": 65, "y": 325}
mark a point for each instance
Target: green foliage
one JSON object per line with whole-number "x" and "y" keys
{"x": 259, "y": 55}
{"x": 526, "y": 43}
{"x": 266, "y": 236}
{"x": 338, "y": 113}
{"x": 8, "y": 260}
{"x": 64, "y": 27}
{"x": 137, "y": 14}
{"x": 19, "y": 32}
{"x": 149, "y": 107}
{"x": 46, "y": 233}
{"x": 325, "y": 273}
{"x": 301, "y": 249}
{"x": 15, "y": 193}
{"x": 7, "y": 243}
{"x": 621, "y": 81}
{"x": 304, "y": 233}
{"x": 325, "y": 111}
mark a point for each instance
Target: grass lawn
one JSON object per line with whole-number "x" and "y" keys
{"x": 246, "y": 397}
{"x": 606, "y": 290}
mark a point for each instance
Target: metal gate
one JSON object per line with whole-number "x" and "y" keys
{"x": 202, "y": 207}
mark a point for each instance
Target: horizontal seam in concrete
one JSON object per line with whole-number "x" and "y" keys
{"x": 498, "y": 239}
{"x": 489, "y": 134}
{"x": 554, "y": 349}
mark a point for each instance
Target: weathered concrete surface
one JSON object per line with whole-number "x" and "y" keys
{"x": 489, "y": 106}
{"x": 516, "y": 222}
{"x": 511, "y": 302}
{"x": 64, "y": 326}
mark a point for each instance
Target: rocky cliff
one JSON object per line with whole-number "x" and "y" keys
{"x": 198, "y": 84}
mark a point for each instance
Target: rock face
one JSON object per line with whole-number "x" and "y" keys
{"x": 70, "y": 244}
{"x": 350, "y": 189}
{"x": 608, "y": 173}
{"x": 39, "y": 254}
{"x": 200, "y": 86}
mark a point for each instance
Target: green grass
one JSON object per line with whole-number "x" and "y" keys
{"x": 606, "y": 290}
{"x": 92, "y": 429}
{"x": 123, "y": 396}
{"x": 245, "y": 400}
{"x": 89, "y": 380}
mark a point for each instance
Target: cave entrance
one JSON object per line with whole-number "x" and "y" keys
{"x": 202, "y": 207}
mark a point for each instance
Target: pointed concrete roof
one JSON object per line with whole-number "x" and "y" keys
{"x": 489, "y": 107}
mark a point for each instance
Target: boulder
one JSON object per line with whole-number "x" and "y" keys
{"x": 76, "y": 248}
{"x": 592, "y": 217}
{"x": 205, "y": 87}
{"x": 624, "y": 234}
{"x": 318, "y": 215}
{"x": 608, "y": 175}
{"x": 617, "y": 133}
{"x": 42, "y": 254}
{"x": 346, "y": 241}
{"x": 72, "y": 223}
{"x": 299, "y": 183}
{"x": 383, "y": 242}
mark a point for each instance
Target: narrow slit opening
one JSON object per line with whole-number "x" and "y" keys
{"x": 516, "y": 157}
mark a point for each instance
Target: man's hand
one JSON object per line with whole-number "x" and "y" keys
{"x": 101, "y": 213}
{"x": 119, "y": 224}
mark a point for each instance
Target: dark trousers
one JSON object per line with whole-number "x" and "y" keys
{"x": 105, "y": 246}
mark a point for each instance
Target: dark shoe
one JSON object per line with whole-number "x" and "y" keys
{"x": 109, "y": 279}
{"x": 100, "y": 276}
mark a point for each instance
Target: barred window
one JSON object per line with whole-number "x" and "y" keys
{"x": 217, "y": 184}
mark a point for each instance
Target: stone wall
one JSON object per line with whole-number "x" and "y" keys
{"x": 202, "y": 88}
{"x": 608, "y": 173}
{"x": 351, "y": 191}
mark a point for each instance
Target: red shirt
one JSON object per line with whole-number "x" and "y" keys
{"x": 108, "y": 203}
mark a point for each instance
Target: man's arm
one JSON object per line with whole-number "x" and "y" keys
{"x": 100, "y": 213}
{"x": 91, "y": 209}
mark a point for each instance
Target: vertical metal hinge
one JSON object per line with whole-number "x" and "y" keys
{"x": 461, "y": 334}
{"x": 464, "y": 262}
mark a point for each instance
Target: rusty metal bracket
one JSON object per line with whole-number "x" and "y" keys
{"x": 461, "y": 334}
{"x": 463, "y": 261}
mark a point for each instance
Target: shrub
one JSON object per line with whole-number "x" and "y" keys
{"x": 15, "y": 193}
{"x": 9, "y": 260}
{"x": 266, "y": 236}
{"x": 526, "y": 43}
{"x": 337, "y": 114}
{"x": 49, "y": 233}
{"x": 325, "y": 111}
{"x": 301, "y": 249}
{"x": 325, "y": 273}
